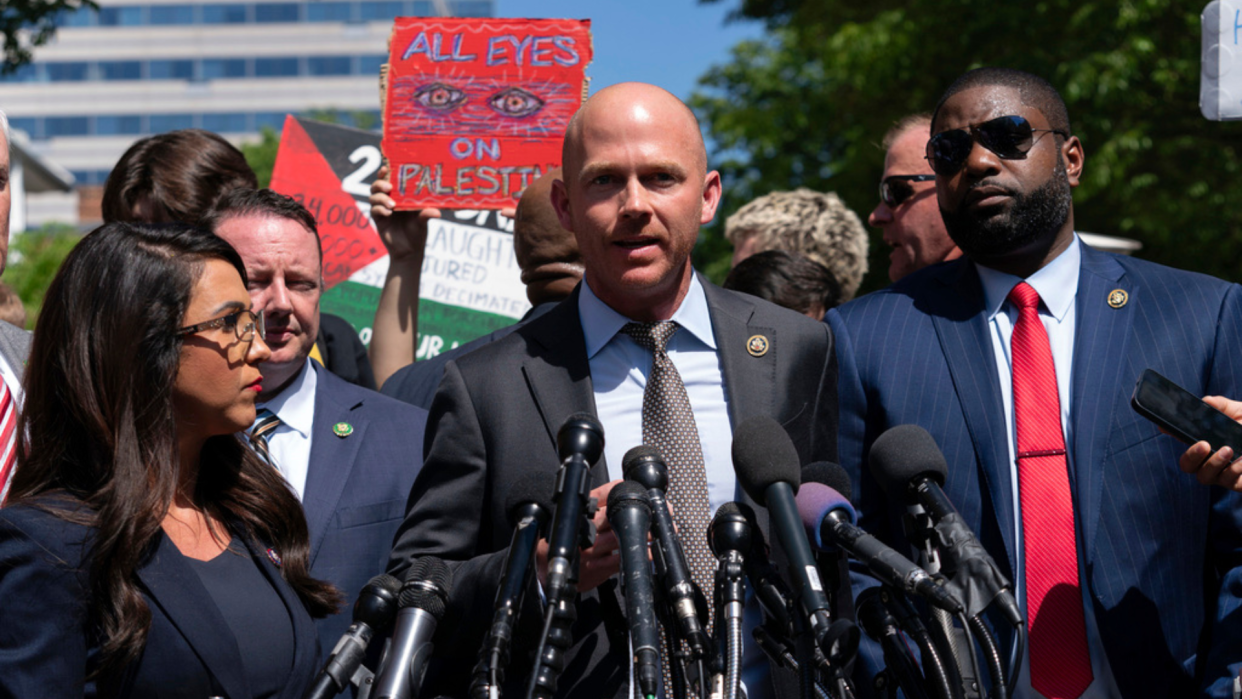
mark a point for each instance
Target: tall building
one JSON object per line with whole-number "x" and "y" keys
{"x": 137, "y": 68}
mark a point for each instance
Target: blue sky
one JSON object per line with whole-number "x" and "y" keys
{"x": 669, "y": 43}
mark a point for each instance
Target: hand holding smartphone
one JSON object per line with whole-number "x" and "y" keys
{"x": 1191, "y": 420}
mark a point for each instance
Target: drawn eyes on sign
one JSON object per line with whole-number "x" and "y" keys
{"x": 440, "y": 97}
{"x": 515, "y": 102}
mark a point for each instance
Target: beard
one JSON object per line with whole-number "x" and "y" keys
{"x": 1031, "y": 218}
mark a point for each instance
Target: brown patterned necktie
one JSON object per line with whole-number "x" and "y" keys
{"x": 668, "y": 425}
{"x": 265, "y": 422}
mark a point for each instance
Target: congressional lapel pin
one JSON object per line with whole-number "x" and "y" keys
{"x": 342, "y": 429}
{"x": 1118, "y": 298}
{"x": 757, "y": 345}
{"x": 274, "y": 557}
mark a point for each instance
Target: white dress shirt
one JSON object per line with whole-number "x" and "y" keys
{"x": 290, "y": 443}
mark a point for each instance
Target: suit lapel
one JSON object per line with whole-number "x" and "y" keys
{"x": 331, "y": 460}
{"x": 956, "y": 306}
{"x": 558, "y": 375}
{"x": 750, "y": 381}
{"x": 1101, "y": 343}
{"x": 304, "y": 658}
{"x": 180, "y": 594}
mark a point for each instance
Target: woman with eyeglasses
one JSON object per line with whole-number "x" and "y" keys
{"x": 145, "y": 551}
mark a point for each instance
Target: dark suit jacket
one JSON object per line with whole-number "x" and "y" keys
{"x": 416, "y": 383}
{"x": 1159, "y": 546}
{"x": 47, "y": 647}
{"x": 357, "y": 487}
{"x": 494, "y": 422}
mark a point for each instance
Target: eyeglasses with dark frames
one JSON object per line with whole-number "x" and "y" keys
{"x": 895, "y": 189}
{"x": 244, "y": 324}
{"x": 1010, "y": 137}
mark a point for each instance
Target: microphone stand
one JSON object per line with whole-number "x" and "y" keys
{"x": 921, "y": 531}
{"x": 938, "y": 675}
{"x": 730, "y": 600}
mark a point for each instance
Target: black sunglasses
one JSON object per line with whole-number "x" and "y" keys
{"x": 1010, "y": 137}
{"x": 895, "y": 189}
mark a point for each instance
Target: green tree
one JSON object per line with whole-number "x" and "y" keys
{"x": 809, "y": 104}
{"x": 30, "y": 23}
{"x": 33, "y": 261}
{"x": 261, "y": 155}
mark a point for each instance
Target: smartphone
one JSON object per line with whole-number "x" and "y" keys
{"x": 1182, "y": 414}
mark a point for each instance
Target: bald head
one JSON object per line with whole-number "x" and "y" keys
{"x": 637, "y": 104}
{"x": 546, "y": 252}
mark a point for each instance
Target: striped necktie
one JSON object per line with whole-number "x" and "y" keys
{"x": 264, "y": 424}
{"x": 8, "y": 439}
{"x": 1060, "y": 659}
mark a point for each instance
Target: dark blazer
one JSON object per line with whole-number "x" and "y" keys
{"x": 47, "y": 648}
{"x": 357, "y": 486}
{"x": 1159, "y": 546}
{"x": 416, "y": 383}
{"x": 494, "y": 422}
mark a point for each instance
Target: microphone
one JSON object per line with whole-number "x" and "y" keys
{"x": 579, "y": 444}
{"x": 373, "y": 612}
{"x": 528, "y": 513}
{"x": 767, "y": 466}
{"x": 908, "y": 464}
{"x": 770, "y": 588}
{"x": 730, "y": 538}
{"x": 645, "y": 466}
{"x": 629, "y": 512}
{"x": 423, "y": 600}
{"x": 829, "y": 521}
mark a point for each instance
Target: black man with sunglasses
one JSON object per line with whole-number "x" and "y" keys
{"x": 907, "y": 213}
{"x": 1019, "y": 359}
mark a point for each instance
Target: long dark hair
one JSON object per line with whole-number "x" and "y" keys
{"x": 98, "y": 430}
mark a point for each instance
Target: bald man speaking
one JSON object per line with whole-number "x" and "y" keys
{"x": 634, "y": 192}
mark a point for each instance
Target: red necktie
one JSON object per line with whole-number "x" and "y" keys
{"x": 1060, "y": 661}
{"x": 8, "y": 443}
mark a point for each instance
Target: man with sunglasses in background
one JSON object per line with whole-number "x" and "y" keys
{"x": 907, "y": 212}
{"x": 1020, "y": 359}
{"x": 349, "y": 453}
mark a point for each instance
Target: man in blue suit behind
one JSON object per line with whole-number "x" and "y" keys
{"x": 1155, "y": 551}
{"x": 348, "y": 452}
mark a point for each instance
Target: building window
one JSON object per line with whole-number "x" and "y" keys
{"x": 170, "y": 122}
{"x": 225, "y": 123}
{"x": 64, "y": 72}
{"x": 471, "y": 8}
{"x": 28, "y": 124}
{"x": 170, "y": 70}
{"x": 380, "y": 11}
{"x": 424, "y": 8}
{"x": 121, "y": 16}
{"x": 370, "y": 65}
{"x": 216, "y": 68}
{"x": 275, "y": 67}
{"x": 120, "y": 70}
{"x": 328, "y": 11}
{"x": 266, "y": 12}
{"x": 328, "y": 65}
{"x": 271, "y": 120}
{"x": 224, "y": 14}
{"x": 172, "y": 14}
{"x": 77, "y": 18}
{"x": 66, "y": 126}
{"x": 125, "y": 124}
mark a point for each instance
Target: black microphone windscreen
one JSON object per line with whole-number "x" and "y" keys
{"x": 627, "y": 490}
{"x": 638, "y": 454}
{"x": 764, "y": 454}
{"x": 831, "y": 475}
{"x": 582, "y": 434}
{"x": 376, "y": 602}
{"x": 427, "y": 584}
{"x": 536, "y": 488}
{"x": 645, "y": 465}
{"x": 903, "y": 453}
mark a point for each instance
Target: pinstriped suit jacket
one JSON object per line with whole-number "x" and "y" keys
{"x": 1161, "y": 550}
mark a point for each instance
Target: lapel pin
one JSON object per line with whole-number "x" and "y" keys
{"x": 342, "y": 429}
{"x": 757, "y": 345}
{"x": 274, "y": 557}
{"x": 1118, "y": 298}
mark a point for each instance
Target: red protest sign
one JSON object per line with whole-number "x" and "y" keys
{"x": 476, "y": 109}
{"x": 328, "y": 169}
